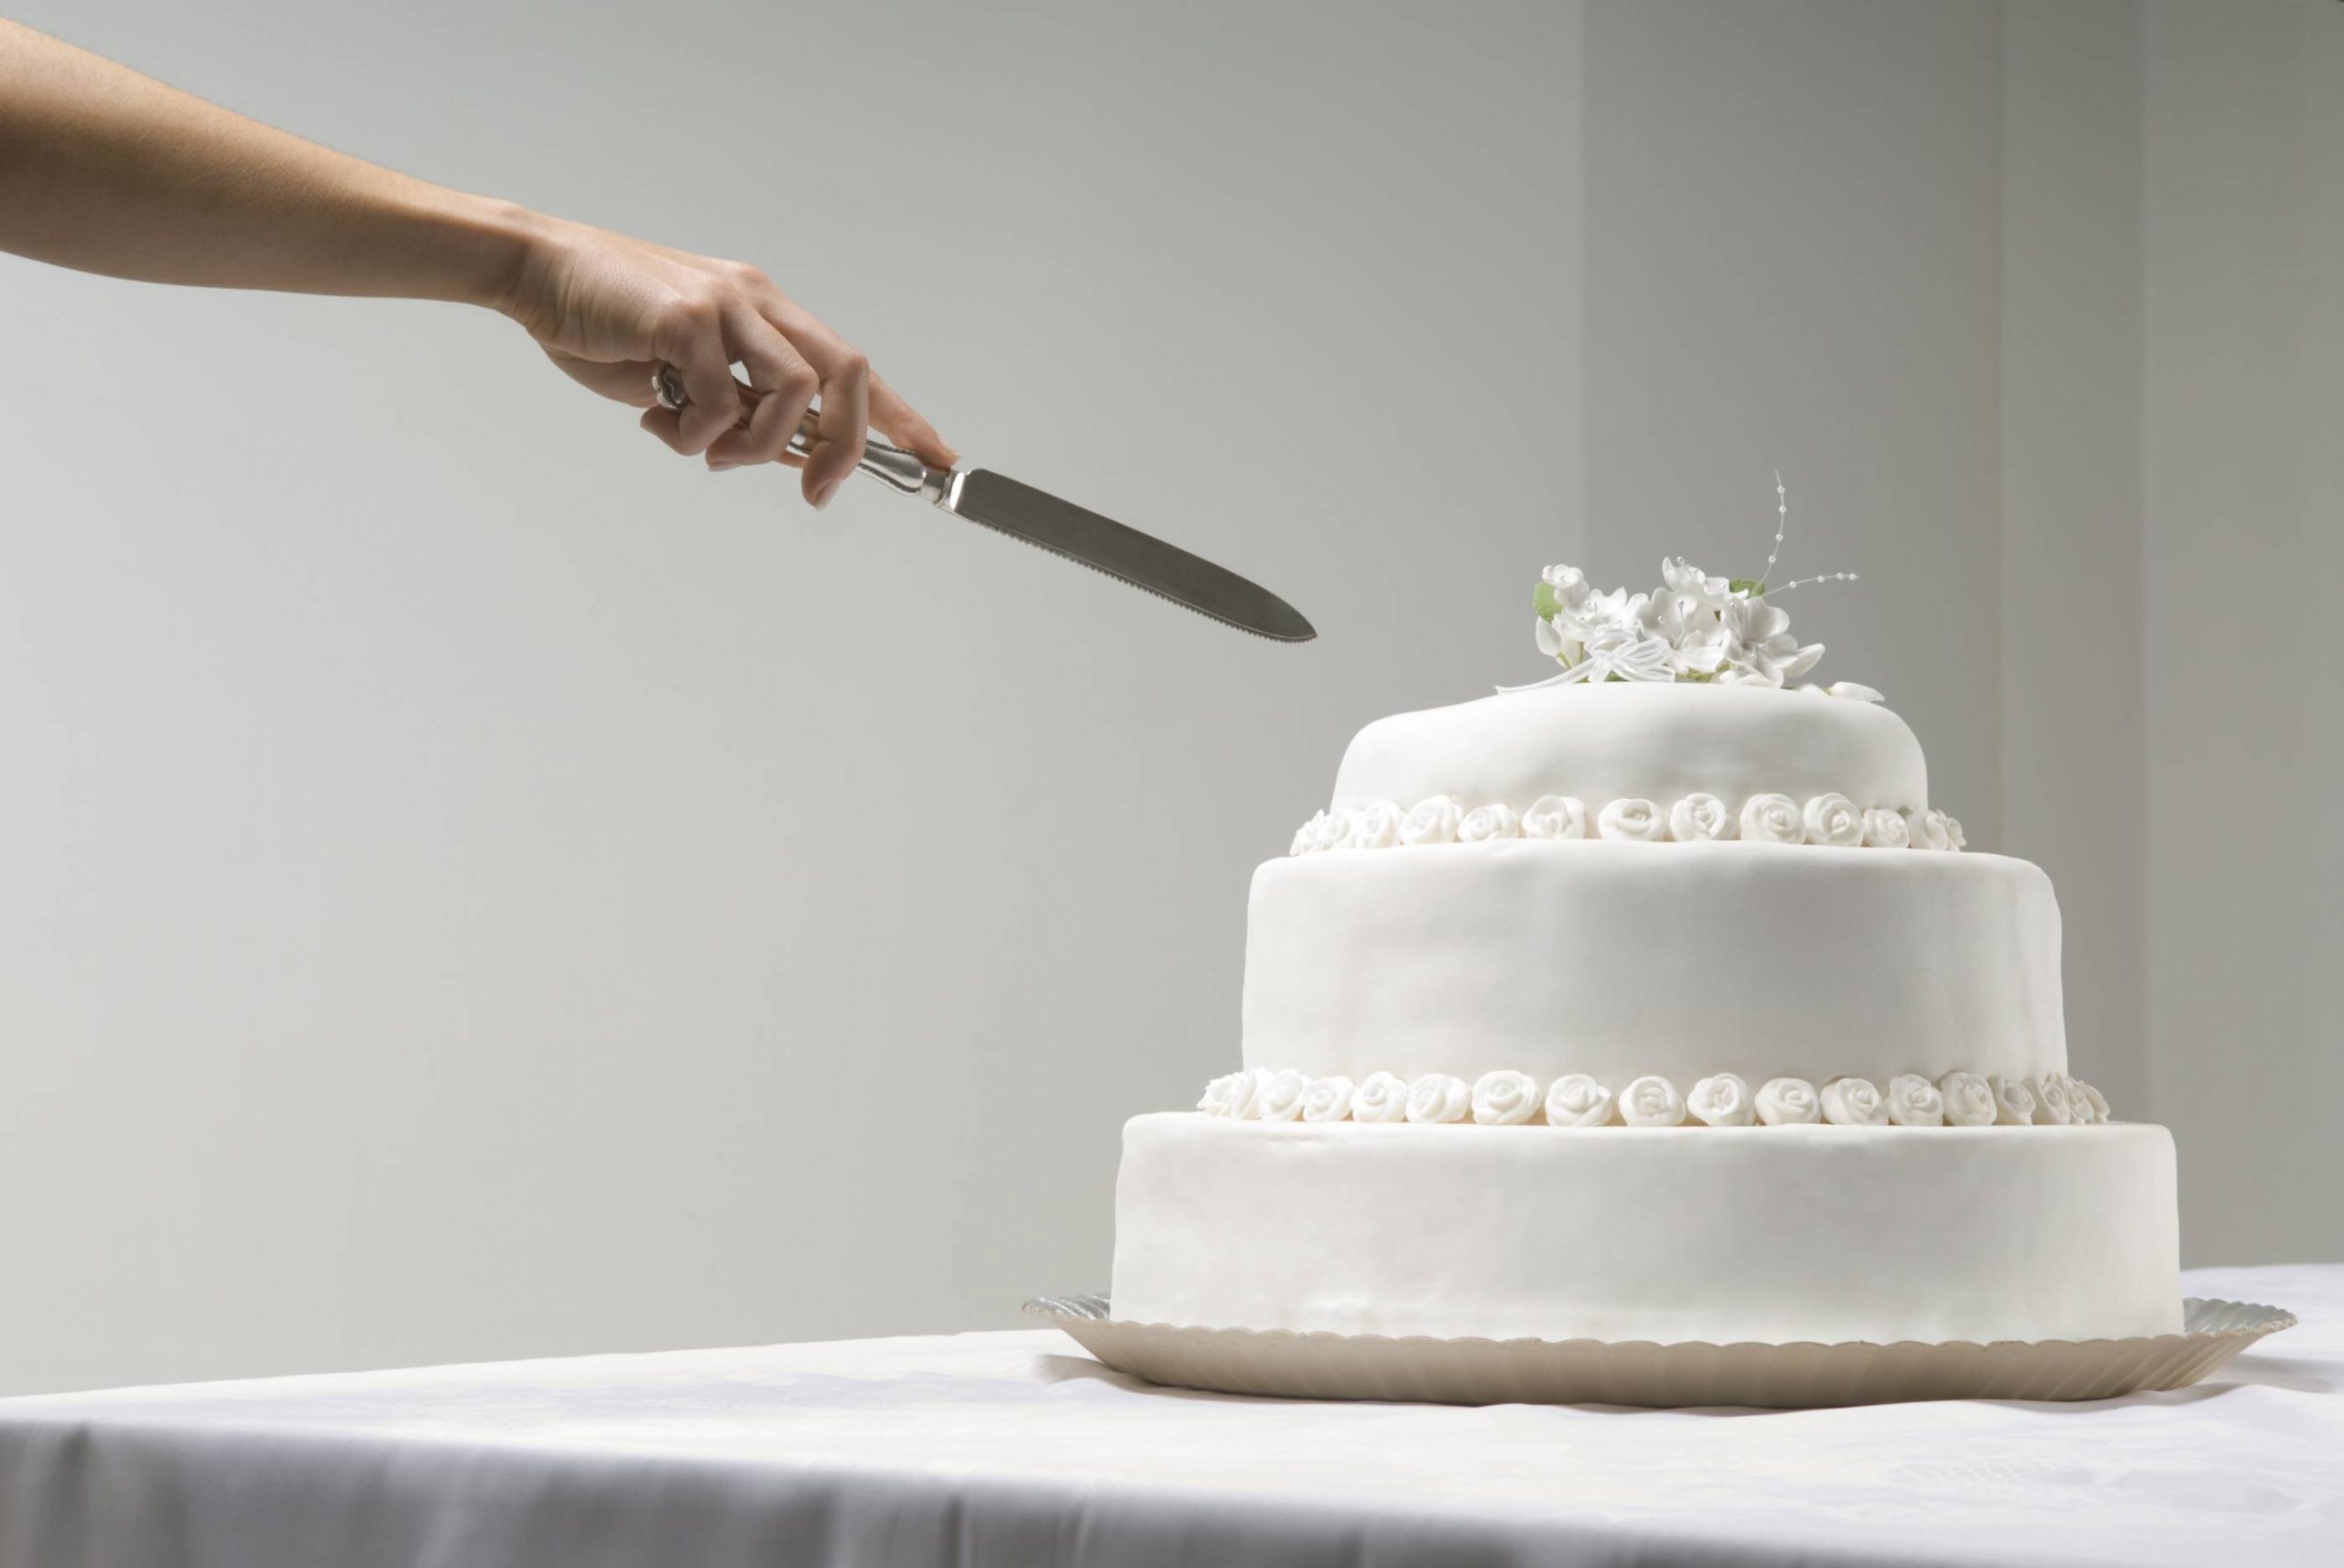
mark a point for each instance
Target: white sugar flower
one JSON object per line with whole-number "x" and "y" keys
{"x": 1968, "y": 1099}
{"x": 1229, "y": 1095}
{"x": 1631, "y": 817}
{"x": 1432, "y": 821}
{"x": 2014, "y": 1101}
{"x": 1281, "y": 1098}
{"x": 1710, "y": 592}
{"x": 1760, "y": 649}
{"x": 1577, "y": 1101}
{"x": 1381, "y": 1096}
{"x": 1722, "y": 1100}
{"x": 1554, "y": 645}
{"x": 1651, "y": 1101}
{"x": 1437, "y": 1097}
{"x": 1503, "y": 1097}
{"x": 1618, "y": 612}
{"x": 1555, "y": 817}
{"x": 1330, "y": 1100}
{"x": 1885, "y": 829}
{"x": 1854, "y": 1102}
{"x": 1375, "y": 827}
{"x": 1695, "y": 636}
{"x": 1496, "y": 820}
{"x": 1700, "y": 817}
{"x": 1789, "y": 1102}
{"x": 1854, "y": 691}
{"x": 1569, "y": 584}
{"x": 1914, "y": 1102}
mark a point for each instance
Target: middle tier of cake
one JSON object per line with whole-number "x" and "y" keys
{"x": 1623, "y": 959}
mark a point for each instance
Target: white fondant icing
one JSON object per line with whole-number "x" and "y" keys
{"x": 1723, "y": 1233}
{"x": 1616, "y": 960}
{"x": 1661, "y": 742}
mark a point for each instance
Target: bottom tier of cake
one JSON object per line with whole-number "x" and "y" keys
{"x": 1724, "y": 1234}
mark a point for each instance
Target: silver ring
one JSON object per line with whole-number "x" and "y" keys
{"x": 668, "y": 388}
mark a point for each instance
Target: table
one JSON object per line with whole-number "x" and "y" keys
{"x": 1016, "y": 1448}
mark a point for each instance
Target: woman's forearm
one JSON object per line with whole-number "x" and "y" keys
{"x": 105, "y": 170}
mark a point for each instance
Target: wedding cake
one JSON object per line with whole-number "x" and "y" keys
{"x": 1654, "y": 1003}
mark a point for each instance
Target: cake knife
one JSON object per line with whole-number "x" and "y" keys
{"x": 980, "y": 495}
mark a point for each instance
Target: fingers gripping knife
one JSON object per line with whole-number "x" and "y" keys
{"x": 1024, "y": 513}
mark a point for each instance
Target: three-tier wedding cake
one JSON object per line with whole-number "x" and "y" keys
{"x": 1656, "y": 1003}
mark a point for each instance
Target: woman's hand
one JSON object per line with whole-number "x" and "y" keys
{"x": 610, "y": 310}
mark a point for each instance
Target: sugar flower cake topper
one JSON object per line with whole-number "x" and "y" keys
{"x": 1695, "y": 627}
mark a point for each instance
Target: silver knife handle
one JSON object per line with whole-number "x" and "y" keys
{"x": 881, "y": 459}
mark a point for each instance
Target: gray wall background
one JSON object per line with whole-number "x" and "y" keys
{"x": 473, "y": 886}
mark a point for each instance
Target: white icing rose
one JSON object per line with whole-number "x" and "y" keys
{"x": 2083, "y": 1099}
{"x": 1326, "y": 830}
{"x": 1833, "y": 819}
{"x": 1381, "y": 1096}
{"x": 1954, "y": 837}
{"x": 2014, "y": 1101}
{"x": 1432, "y": 821}
{"x": 1787, "y": 1102}
{"x": 1436, "y": 1098}
{"x": 1280, "y": 1099}
{"x": 1485, "y": 822}
{"x": 1699, "y": 817}
{"x": 1722, "y": 1100}
{"x": 1854, "y": 691}
{"x": 1301, "y": 844}
{"x": 1914, "y": 1102}
{"x": 1929, "y": 830}
{"x": 1885, "y": 829}
{"x": 1374, "y": 826}
{"x": 1772, "y": 819}
{"x": 1555, "y": 817}
{"x": 1330, "y": 1100}
{"x": 1229, "y": 1095}
{"x": 1502, "y": 1098}
{"x": 1577, "y": 1101}
{"x": 1634, "y": 819}
{"x": 2051, "y": 1100}
{"x": 1853, "y": 1102}
{"x": 1651, "y": 1101}
{"x": 1968, "y": 1099}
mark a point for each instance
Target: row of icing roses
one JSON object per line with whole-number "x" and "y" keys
{"x": 1507, "y": 1098}
{"x": 1832, "y": 820}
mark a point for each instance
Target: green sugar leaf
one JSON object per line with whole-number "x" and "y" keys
{"x": 1545, "y": 601}
{"x": 1749, "y": 585}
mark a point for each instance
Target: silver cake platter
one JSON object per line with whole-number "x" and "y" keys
{"x": 1693, "y": 1372}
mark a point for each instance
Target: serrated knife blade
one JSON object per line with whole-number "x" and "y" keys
{"x": 1039, "y": 518}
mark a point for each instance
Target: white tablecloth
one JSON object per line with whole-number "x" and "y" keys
{"x": 1016, "y": 1448}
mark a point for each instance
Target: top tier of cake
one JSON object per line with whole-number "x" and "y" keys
{"x": 1657, "y": 742}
